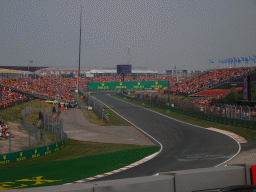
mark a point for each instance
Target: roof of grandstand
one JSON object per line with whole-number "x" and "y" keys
{"x": 23, "y": 68}
{"x": 114, "y": 71}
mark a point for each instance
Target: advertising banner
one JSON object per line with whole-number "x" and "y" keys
{"x": 31, "y": 153}
{"x": 131, "y": 85}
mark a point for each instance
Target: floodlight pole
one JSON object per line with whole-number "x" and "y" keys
{"x": 168, "y": 92}
{"x": 77, "y": 82}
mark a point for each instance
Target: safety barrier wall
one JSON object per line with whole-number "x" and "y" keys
{"x": 31, "y": 153}
{"x": 202, "y": 179}
{"x": 228, "y": 119}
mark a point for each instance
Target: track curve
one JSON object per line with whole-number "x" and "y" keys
{"x": 184, "y": 146}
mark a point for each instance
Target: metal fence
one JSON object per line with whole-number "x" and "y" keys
{"x": 53, "y": 123}
{"x": 231, "y": 115}
{"x": 227, "y": 111}
{"x": 96, "y": 105}
{"x": 82, "y": 92}
{"x": 31, "y": 129}
{"x": 49, "y": 122}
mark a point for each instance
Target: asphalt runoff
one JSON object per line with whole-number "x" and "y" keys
{"x": 184, "y": 146}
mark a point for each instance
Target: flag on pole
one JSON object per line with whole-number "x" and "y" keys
{"x": 246, "y": 60}
{"x": 242, "y": 59}
{"x": 250, "y": 58}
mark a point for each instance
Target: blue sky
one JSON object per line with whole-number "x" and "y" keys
{"x": 161, "y": 34}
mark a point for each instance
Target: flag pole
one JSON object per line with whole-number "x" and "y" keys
{"x": 80, "y": 42}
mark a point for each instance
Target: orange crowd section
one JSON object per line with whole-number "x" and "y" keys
{"x": 192, "y": 84}
{"x": 51, "y": 87}
{"x": 213, "y": 92}
{"x": 58, "y": 87}
{"x": 9, "y": 98}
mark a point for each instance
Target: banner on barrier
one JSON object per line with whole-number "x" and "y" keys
{"x": 126, "y": 85}
{"x": 31, "y": 153}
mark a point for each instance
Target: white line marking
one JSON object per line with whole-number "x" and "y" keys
{"x": 187, "y": 124}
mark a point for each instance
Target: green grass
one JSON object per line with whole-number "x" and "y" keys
{"x": 14, "y": 113}
{"x": 92, "y": 117}
{"x": 76, "y": 161}
{"x": 248, "y": 134}
{"x": 114, "y": 119}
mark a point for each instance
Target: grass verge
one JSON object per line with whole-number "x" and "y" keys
{"x": 92, "y": 117}
{"x": 76, "y": 161}
{"x": 248, "y": 134}
{"x": 14, "y": 113}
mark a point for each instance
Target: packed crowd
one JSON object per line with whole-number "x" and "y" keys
{"x": 9, "y": 98}
{"x": 200, "y": 82}
{"x": 5, "y": 132}
{"x": 56, "y": 87}
{"x": 213, "y": 92}
{"x": 204, "y": 102}
{"x": 50, "y": 87}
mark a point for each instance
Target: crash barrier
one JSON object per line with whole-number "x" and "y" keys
{"x": 226, "y": 178}
{"x": 31, "y": 129}
{"x": 79, "y": 104}
{"x": 209, "y": 114}
{"x": 53, "y": 123}
{"x": 97, "y": 106}
{"x": 82, "y": 92}
{"x": 228, "y": 111}
{"x": 31, "y": 153}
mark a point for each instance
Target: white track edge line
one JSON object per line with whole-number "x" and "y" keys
{"x": 133, "y": 125}
{"x": 188, "y": 124}
{"x": 145, "y": 159}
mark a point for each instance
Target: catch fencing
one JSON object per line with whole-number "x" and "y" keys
{"x": 241, "y": 116}
{"x": 53, "y": 123}
{"x": 31, "y": 129}
{"x": 49, "y": 122}
{"x": 96, "y": 105}
{"x": 227, "y": 111}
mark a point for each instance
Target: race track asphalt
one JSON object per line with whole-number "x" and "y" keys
{"x": 184, "y": 146}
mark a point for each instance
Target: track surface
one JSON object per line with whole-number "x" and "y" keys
{"x": 184, "y": 146}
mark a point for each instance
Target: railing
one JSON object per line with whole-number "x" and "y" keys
{"x": 232, "y": 115}
{"x": 32, "y": 130}
{"x": 96, "y": 105}
{"x": 54, "y": 124}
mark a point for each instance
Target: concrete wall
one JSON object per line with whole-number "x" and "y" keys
{"x": 174, "y": 181}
